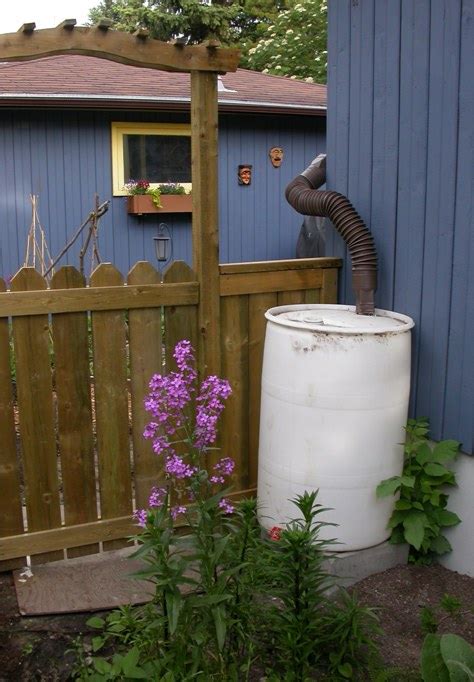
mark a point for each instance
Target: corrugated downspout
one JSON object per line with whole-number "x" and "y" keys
{"x": 302, "y": 194}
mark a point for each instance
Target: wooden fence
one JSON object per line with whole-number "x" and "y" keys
{"x": 75, "y": 362}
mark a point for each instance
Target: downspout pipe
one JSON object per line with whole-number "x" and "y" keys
{"x": 304, "y": 196}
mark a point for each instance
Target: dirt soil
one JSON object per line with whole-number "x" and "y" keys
{"x": 35, "y": 648}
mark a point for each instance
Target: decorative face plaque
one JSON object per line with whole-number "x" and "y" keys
{"x": 276, "y": 156}
{"x": 244, "y": 174}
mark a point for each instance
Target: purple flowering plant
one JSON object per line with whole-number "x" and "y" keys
{"x": 183, "y": 445}
{"x": 208, "y": 561}
{"x": 210, "y": 616}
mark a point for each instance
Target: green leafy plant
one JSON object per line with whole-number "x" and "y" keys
{"x": 428, "y": 620}
{"x": 431, "y": 618}
{"x": 309, "y": 630}
{"x": 420, "y": 512}
{"x": 448, "y": 658}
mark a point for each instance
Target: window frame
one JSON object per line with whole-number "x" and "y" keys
{"x": 119, "y": 129}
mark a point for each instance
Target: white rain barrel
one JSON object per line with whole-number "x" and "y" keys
{"x": 335, "y": 390}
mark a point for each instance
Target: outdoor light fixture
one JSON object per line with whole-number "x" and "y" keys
{"x": 163, "y": 244}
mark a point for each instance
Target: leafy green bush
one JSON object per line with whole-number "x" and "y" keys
{"x": 448, "y": 658}
{"x": 420, "y": 513}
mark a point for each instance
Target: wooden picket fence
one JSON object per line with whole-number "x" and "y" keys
{"x": 75, "y": 363}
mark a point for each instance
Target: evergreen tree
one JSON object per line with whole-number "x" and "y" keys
{"x": 168, "y": 19}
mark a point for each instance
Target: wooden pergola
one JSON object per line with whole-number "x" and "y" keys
{"x": 204, "y": 62}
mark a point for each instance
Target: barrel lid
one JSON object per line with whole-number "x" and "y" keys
{"x": 339, "y": 319}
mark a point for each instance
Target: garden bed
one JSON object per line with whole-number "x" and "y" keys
{"x": 34, "y": 648}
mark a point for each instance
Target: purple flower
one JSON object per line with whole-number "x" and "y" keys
{"x": 217, "y": 479}
{"x": 161, "y": 445}
{"x": 210, "y": 405}
{"x": 177, "y": 467}
{"x": 176, "y": 511}
{"x": 150, "y": 430}
{"x": 157, "y": 497}
{"x": 184, "y": 356}
{"x": 140, "y": 516}
{"x": 226, "y": 506}
{"x": 225, "y": 466}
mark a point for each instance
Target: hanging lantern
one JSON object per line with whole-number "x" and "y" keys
{"x": 163, "y": 243}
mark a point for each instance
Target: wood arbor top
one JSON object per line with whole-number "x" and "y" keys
{"x": 100, "y": 41}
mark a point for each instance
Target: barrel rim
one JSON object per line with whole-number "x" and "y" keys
{"x": 272, "y": 315}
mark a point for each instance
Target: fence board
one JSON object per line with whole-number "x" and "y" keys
{"x": 329, "y": 286}
{"x": 290, "y": 297}
{"x": 112, "y": 298}
{"x": 260, "y": 282}
{"x": 35, "y": 404}
{"x": 111, "y": 404}
{"x": 313, "y": 296}
{"x": 181, "y": 322}
{"x": 235, "y": 367}
{"x": 258, "y": 305}
{"x": 70, "y": 536}
{"x": 280, "y": 265}
{"x": 11, "y": 520}
{"x": 145, "y": 360}
{"x": 76, "y": 444}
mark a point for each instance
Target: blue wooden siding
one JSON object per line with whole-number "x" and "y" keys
{"x": 401, "y": 146}
{"x": 64, "y": 157}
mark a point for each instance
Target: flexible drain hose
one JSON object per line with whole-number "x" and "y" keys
{"x": 302, "y": 194}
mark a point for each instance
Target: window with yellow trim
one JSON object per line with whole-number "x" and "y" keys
{"x": 157, "y": 152}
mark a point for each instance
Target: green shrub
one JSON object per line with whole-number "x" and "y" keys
{"x": 420, "y": 513}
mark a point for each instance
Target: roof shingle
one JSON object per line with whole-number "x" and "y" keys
{"x": 73, "y": 80}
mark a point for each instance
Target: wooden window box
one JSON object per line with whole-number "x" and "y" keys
{"x": 138, "y": 204}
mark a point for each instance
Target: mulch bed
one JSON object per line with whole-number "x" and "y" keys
{"x": 34, "y": 648}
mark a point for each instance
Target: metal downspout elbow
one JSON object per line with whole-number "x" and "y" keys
{"x": 302, "y": 194}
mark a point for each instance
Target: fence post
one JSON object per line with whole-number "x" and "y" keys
{"x": 205, "y": 217}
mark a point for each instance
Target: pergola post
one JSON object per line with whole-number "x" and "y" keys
{"x": 205, "y": 231}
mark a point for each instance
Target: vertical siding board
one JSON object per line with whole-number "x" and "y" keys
{"x": 248, "y": 194}
{"x": 22, "y": 183}
{"x": 224, "y": 218}
{"x": 55, "y": 227}
{"x": 410, "y": 229}
{"x": 459, "y": 417}
{"x": 440, "y": 199}
{"x": 339, "y": 79}
{"x": 385, "y": 144}
{"x": 75, "y": 212}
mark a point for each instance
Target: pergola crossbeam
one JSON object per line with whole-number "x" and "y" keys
{"x": 102, "y": 41}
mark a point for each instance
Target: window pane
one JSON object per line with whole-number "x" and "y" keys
{"x": 157, "y": 158}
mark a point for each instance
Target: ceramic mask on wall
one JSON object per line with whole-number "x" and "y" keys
{"x": 244, "y": 174}
{"x": 276, "y": 156}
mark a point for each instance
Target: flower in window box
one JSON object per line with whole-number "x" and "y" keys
{"x": 172, "y": 188}
{"x": 141, "y": 187}
{"x": 170, "y": 197}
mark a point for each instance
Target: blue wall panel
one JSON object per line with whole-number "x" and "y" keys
{"x": 401, "y": 146}
{"x": 64, "y": 157}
